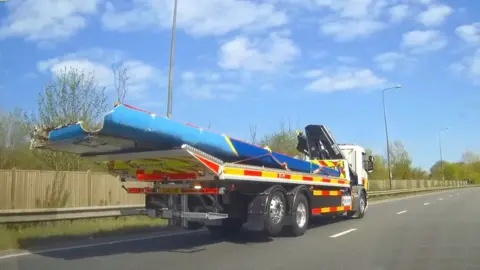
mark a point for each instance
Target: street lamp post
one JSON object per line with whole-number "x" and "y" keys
{"x": 441, "y": 156}
{"x": 386, "y": 133}
{"x": 172, "y": 54}
{"x": 171, "y": 199}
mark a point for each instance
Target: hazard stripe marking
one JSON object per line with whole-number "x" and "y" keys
{"x": 255, "y": 173}
{"x": 327, "y": 193}
{"x": 330, "y": 209}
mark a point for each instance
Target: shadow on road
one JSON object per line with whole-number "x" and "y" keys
{"x": 180, "y": 243}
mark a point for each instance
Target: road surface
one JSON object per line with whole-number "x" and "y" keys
{"x": 434, "y": 231}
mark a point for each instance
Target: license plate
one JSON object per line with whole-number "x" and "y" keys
{"x": 171, "y": 190}
{"x": 346, "y": 201}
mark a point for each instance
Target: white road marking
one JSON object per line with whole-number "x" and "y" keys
{"x": 440, "y": 199}
{"x": 342, "y": 233}
{"x": 426, "y": 203}
{"x": 401, "y": 212}
{"x": 26, "y": 253}
{"x": 450, "y": 196}
{"x": 458, "y": 194}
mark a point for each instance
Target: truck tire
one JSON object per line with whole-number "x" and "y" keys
{"x": 300, "y": 215}
{"x": 363, "y": 205}
{"x": 362, "y": 201}
{"x": 276, "y": 209}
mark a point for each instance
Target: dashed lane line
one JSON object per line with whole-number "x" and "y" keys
{"x": 342, "y": 233}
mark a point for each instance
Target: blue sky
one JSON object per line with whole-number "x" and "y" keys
{"x": 240, "y": 63}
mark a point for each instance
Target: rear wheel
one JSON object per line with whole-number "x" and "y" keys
{"x": 275, "y": 215}
{"x": 300, "y": 215}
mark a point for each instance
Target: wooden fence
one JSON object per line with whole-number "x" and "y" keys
{"x": 27, "y": 189}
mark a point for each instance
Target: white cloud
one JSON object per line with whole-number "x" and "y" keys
{"x": 475, "y": 66}
{"x": 313, "y": 73}
{"x": 435, "y": 15}
{"x": 269, "y": 54}
{"x": 389, "y": 60}
{"x": 399, "y": 12}
{"x": 354, "y": 9}
{"x": 46, "y": 20}
{"x": 141, "y": 75}
{"x": 457, "y": 68}
{"x": 352, "y": 18}
{"x": 346, "y": 30}
{"x": 469, "y": 67}
{"x": 208, "y": 85}
{"x": 423, "y": 2}
{"x": 470, "y": 33}
{"x": 344, "y": 79}
{"x": 424, "y": 41}
{"x": 196, "y": 17}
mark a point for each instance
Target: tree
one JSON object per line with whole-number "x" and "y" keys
{"x": 14, "y": 145}
{"x": 284, "y": 141}
{"x": 71, "y": 96}
{"x": 400, "y": 161}
{"x": 121, "y": 81}
{"x": 13, "y": 132}
{"x": 470, "y": 157}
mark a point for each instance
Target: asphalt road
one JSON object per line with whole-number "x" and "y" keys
{"x": 434, "y": 231}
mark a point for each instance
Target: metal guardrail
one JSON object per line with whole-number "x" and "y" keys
{"x": 411, "y": 190}
{"x": 54, "y": 214}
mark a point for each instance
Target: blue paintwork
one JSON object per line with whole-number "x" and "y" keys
{"x": 160, "y": 133}
{"x": 274, "y": 159}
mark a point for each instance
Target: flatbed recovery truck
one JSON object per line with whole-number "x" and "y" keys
{"x": 196, "y": 189}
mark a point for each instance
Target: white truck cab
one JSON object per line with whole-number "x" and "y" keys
{"x": 361, "y": 164}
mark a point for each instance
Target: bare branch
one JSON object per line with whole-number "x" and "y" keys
{"x": 253, "y": 134}
{"x": 121, "y": 81}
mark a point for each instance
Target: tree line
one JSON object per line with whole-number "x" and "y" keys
{"x": 73, "y": 95}
{"x": 402, "y": 167}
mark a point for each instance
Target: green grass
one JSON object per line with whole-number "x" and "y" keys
{"x": 17, "y": 236}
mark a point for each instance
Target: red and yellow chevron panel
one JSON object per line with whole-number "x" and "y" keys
{"x": 177, "y": 191}
{"x": 336, "y": 165}
{"x": 287, "y": 176}
{"x": 327, "y": 193}
{"x": 209, "y": 164}
{"x": 316, "y": 211}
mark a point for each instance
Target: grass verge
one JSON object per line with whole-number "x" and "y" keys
{"x": 25, "y": 235}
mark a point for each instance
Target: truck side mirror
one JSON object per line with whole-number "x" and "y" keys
{"x": 370, "y": 164}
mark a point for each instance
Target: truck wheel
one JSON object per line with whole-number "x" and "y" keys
{"x": 300, "y": 215}
{"x": 361, "y": 208}
{"x": 363, "y": 205}
{"x": 275, "y": 215}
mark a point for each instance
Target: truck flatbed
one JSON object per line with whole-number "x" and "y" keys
{"x": 189, "y": 163}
